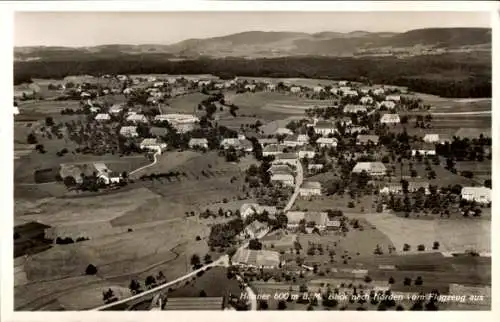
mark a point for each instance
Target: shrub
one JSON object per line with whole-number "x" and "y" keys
{"x": 350, "y": 204}
{"x": 91, "y": 270}
{"x": 406, "y": 247}
{"x": 435, "y": 245}
{"x": 198, "y": 238}
{"x": 421, "y": 248}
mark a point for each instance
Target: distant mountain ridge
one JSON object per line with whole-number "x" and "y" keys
{"x": 259, "y": 44}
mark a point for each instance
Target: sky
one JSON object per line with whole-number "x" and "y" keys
{"x": 98, "y": 28}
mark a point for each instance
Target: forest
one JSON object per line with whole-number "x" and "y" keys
{"x": 459, "y": 75}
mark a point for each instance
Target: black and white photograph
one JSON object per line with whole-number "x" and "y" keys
{"x": 251, "y": 160}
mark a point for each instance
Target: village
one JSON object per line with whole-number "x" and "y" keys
{"x": 301, "y": 186}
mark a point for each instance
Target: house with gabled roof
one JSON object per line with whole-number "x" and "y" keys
{"x": 326, "y": 142}
{"x": 423, "y": 149}
{"x": 371, "y": 168}
{"x": 364, "y": 139}
{"x": 137, "y": 118}
{"x": 352, "y": 108}
{"x": 198, "y": 143}
{"x": 478, "y": 194}
{"x": 153, "y": 144}
{"x": 129, "y": 131}
{"x": 324, "y": 128}
{"x": 103, "y": 117}
{"x": 431, "y": 138}
{"x": 310, "y": 188}
{"x": 390, "y": 119}
{"x": 272, "y": 150}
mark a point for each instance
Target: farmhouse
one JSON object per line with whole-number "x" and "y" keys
{"x": 350, "y": 93}
{"x": 394, "y": 98}
{"x": 198, "y": 143}
{"x": 293, "y": 141}
{"x": 282, "y": 177}
{"x": 345, "y": 121}
{"x": 250, "y": 87}
{"x": 324, "y": 128}
{"x": 181, "y": 122}
{"x": 364, "y": 139}
{"x": 129, "y": 131}
{"x": 105, "y": 175}
{"x": 116, "y": 108}
{"x": 413, "y": 186}
{"x": 332, "y": 222}
{"x": 228, "y": 143}
{"x": 255, "y": 230}
{"x": 271, "y": 87}
{"x": 390, "y": 119}
{"x": 387, "y": 104}
{"x": 102, "y": 117}
{"x": 248, "y": 209}
{"x": 318, "y": 89}
{"x": 295, "y": 89}
{"x": 343, "y": 83}
{"x": 267, "y": 141}
{"x": 423, "y": 149}
{"x": 334, "y": 90}
{"x": 246, "y": 145}
{"x": 153, "y": 145}
{"x": 307, "y": 152}
{"x": 351, "y": 108}
{"x": 313, "y": 167}
{"x": 275, "y": 168}
{"x": 356, "y": 129}
{"x": 272, "y": 149}
{"x": 366, "y": 99}
{"x": 319, "y": 219}
{"x": 286, "y": 158}
{"x": 326, "y": 142}
{"x": 477, "y": 194}
{"x": 431, "y": 138}
{"x": 137, "y": 118}
{"x": 371, "y": 168}
{"x": 256, "y": 258}
{"x": 310, "y": 188}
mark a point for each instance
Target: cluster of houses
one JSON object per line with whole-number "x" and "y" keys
{"x": 100, "y": 170}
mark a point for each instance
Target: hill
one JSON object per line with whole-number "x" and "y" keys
{"x": 259, "y": 44}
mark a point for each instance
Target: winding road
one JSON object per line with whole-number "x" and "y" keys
{"x": 155, "y": 156}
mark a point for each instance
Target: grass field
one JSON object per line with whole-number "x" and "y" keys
{"x": 455, "y": 235}
{"x": 186, "y": 103}
{"x": 47, "y": 107}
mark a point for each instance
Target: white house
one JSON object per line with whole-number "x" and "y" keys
{"x": 137, "y": 118}
{"x": 129, "y": 131}
{"x": 153, "y": 144}
{"x": 293, "y": 141}
{"x": 283, "y": 178}
{"x": 371, "y": 168}
{"x": 319, "y": 219}
{"x": 378, "y": 91}
{"x": 351, "y": 93}
{"x": 364, "y": 139}
{"x": 334, "y": 90}
{"x": 230, "y": 143}
{"x": 295, "y": 89}
{"x": 318, "y": 89}
{"x": 116, "y": 108}
{"x": 390, "y": 105}
{"x": 343, "y": 83}
{"x": 390, "y": 119}
{"x": 271, "y": 87}
{"x": 313, "y": 167}
{"x": 326, "y": 142}
{"x": 250, "y": 87}
{"x": 128, "y": 91}
{"x": 477, "y": 194}
{"x": 423, "y": 149}
{"x": 324, "y": 128}
{"x": 345, "y": 121}
{"x": 431, "y": 138}
{"x": 105, "y": 175}
{"x": 102, "y": 117}
{"x": 310, "y": 188}
{"x": 307, "y": 153}
{"x": 351, "y": 108}
{"x": 366, "y": 100}
{"x": 198, "y": 143}
{"x": 256, "y": 258}
{"x": 181, "y": 122}
{"x": 394, "y": 98}
{"x": 249, "y": 209}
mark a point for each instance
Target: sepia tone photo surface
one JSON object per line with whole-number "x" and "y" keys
{"x": 252, "y": 161}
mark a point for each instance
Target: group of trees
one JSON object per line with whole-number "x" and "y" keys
{"x": 150, "y": 282}
{"x": 406, "y": 72}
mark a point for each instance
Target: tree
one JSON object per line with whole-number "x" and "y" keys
{"x": 419, "y": 280}
{"x": 391, "y": 280}
{"x": 150, "y": 282}
{"x": 421, "y": 248}
{"x": 135, "y": 287}
{"x": 31, "y": 139}
{"x": 49, "y": 121}
{"x": 435, "y": 245}
{"x": 254, "y": 244}
{"x": 281, "y": 305}
{"x": 109, "y": 296}
{"x": 203, "y": 293}
{"x": 207, "y": 259}
{"x": 69, "y": 181}
{"x": 263, "y": 305}
{"x": 91, "y": 270}
{"x": 195, "y": 261}
{"x": 407, "y": 281}
{"x": 406, "y": 247}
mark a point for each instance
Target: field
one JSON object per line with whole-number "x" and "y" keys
{"x": 457, "y": 235}
{"x": 440, "y": 104}
{"x": 185, "y": 103}
{"x": 121, "y": 245}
